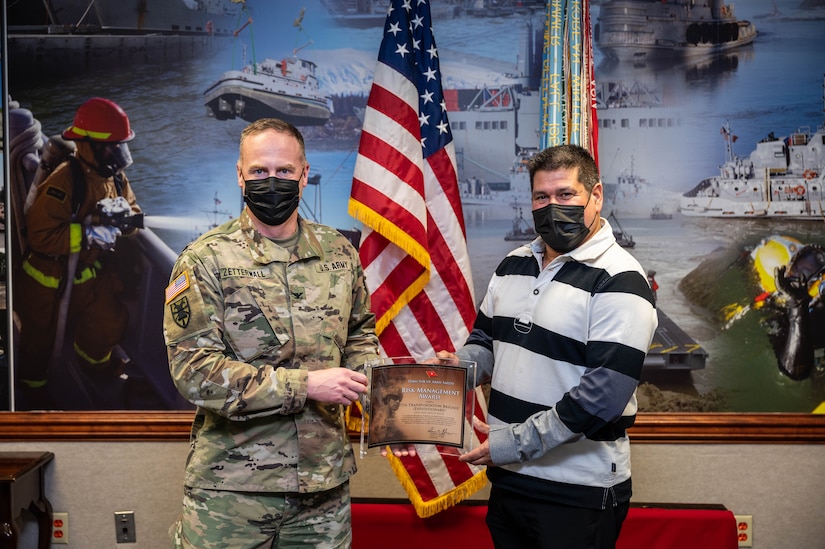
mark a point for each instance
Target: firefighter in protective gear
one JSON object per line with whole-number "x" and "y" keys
{"x": 65, "y": 232}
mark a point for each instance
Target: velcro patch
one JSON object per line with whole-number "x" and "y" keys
{"x": 181, "y": 312}
{"x": 331, "y": 266}
{"x": 177, "y": 286}
{"x": 230, "y": 272}
{"x": 54, "y": 192}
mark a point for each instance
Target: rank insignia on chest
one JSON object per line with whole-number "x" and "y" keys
{"x": 180, "y": 311}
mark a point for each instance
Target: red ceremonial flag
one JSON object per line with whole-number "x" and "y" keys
{"x": 414, "y": 246}
{"x": 589, "y": 77}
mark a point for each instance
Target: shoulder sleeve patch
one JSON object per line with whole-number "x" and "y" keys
{"x": 54, "y": 192}
{"x": 177, "y": 286}
{"x": 185, "y": 315}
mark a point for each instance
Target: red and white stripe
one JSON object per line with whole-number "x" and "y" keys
{"x": 414, "y": 252}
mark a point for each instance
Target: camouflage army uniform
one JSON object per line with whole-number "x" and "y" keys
{"x": 244, "y": 321}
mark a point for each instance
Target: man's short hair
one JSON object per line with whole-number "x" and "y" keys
{"x": 564, "y": 157}
{"x": 280, "y": 126}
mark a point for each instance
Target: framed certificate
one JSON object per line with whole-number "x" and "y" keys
{"x": 419, "y": 402}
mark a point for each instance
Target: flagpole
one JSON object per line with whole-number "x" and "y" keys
{"x": 591, "y": 131}
{"x": 568, "y": 91}
{"x": 573, "y": 32}
{"x": 552, "y": 78}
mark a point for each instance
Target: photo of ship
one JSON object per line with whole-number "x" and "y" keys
{"x": 629, "y": 195}
{"x": 358, "y": 13}
{"x": 372, "y": 13}
{"x": 495, "y": 130}
{"x": 782, "y": 178}
{"x": 64, "y": 36}
{"x": 635, "y": 30}
{"x": 284, "y": 88}
{"x": 641, "y": 118}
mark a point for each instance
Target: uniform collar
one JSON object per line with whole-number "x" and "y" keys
{"x": 264, "y": 250}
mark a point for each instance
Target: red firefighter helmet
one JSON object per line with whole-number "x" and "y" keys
{"x": 100, "y": 119}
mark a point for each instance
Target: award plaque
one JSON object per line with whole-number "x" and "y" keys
{"x": 419, "y": 402}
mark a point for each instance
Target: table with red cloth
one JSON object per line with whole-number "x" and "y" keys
{"x": 379, "y": 522}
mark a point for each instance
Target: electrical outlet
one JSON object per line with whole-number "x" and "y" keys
{"x": 125, "y": 527}
{"x": 744, "y": 530}
{"x": 60, "y": 528}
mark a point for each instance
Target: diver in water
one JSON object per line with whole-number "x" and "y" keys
{"x": 798, "y": 334}
{"x": 790, "y": 281}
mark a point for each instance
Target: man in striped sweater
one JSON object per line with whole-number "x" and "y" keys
{"x": 561, "y": 335}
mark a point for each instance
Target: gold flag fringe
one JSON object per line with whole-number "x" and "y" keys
{"x": 426, "y": 509}
{"x": 390, "y": 231}
{"x": 403, "y": 299}
{"x": 394, "y": 234}
{"x": 352, "y": 421}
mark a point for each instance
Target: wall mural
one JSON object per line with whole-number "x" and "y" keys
{"x": 711, "y": 148}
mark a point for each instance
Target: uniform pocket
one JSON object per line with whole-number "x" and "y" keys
{"x": 248, "y": 330}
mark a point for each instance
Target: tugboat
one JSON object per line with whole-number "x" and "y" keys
{"x": 624, "y": 239}
{"x": 285, "y": 88}
{"x": 658, "y": 213}
{"x": 636, "y": 30}
{"x": 782, "y": 178}
{"x": 522, "y": 230}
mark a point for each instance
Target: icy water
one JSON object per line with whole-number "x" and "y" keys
{"x": 184, "y": 159}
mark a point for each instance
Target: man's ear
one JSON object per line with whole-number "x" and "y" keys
{"x": 240, "y": 176}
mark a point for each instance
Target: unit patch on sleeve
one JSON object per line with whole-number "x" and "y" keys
{"x": 186, "y": 315}
{"x": 181, "y": 312}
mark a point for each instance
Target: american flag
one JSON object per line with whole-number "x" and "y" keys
{"x": 414, "y": 247}
{"x": 177, "y": 286}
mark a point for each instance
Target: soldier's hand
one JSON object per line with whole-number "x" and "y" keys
{"x": 399, "y": 450}
{"x": 336, "y": 385}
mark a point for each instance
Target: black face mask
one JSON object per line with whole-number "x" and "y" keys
{"x": 561, "y": 226}
{"x": 272, "y": 200}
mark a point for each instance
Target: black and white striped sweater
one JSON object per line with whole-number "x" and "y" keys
{"x": 563, "y": 349}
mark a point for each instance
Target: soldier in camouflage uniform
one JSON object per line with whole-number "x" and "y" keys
{"x": 267, "y": 325}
